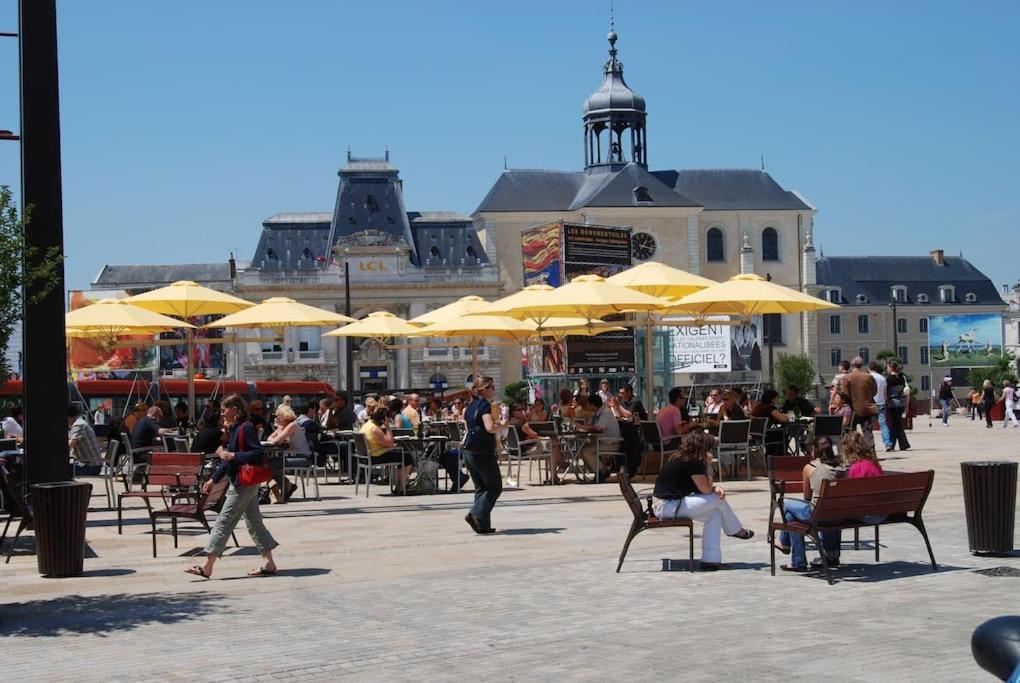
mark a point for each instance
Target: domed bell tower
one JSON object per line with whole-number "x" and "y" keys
{"x": 614, "y": 120}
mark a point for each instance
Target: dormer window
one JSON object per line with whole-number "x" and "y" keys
{"x": 947, "y": 294}
{"x": 862, "y": 299}
{"x": 271, "y": 253}
{"x": 470, "y": 251}
{"x": 834, "y": 295}
{"x": 641, "y": 194}
{"x": 434, "y": 252}
{"x": 371, "y": 205}
{"x": 922, "y": 298}
{"x": 970, "y": 298}
{"x": 899, "y": 294}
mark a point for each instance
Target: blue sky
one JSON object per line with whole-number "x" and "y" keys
{"x": 186, "y": 124}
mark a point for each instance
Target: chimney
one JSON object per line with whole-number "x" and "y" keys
{"x": 938, "y": 257}
{"x": 233, "y": 266}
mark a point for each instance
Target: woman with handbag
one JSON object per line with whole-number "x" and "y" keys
{"x": 244, "y": 464}
{"x": 899, "y": 397}
{"x": 479, "y": 453}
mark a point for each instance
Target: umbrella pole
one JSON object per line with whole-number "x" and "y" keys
{"x": 191, "y": 375}
{"x": 474, "y": 359}
{"x": 649, "y": 364}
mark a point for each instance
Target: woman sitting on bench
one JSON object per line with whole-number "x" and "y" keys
{"x": 826, "y": 465}
{"x": 684, "y": 488}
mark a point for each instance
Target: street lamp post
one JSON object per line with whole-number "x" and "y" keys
{"x": 895, "y": 324}
{"x": 348, "y": 346}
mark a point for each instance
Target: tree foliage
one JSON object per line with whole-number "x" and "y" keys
{"x": 516, "y": 393}
{"x": 995, "y": 374}
{"x": 795, "y": 370}
{"x": 37, "y": 279}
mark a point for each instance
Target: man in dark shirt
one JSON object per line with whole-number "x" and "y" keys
{"x": 630, "y": 412}
{"x": 343, "y": 414}
{"x": 147, "y": 430}
{"x": 795, "y": 403}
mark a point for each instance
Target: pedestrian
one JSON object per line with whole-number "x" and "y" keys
{"x": 241, "y": 501}
{"x": 899, "y": 400}
{"x": 880, "y": 401}
{"x": 946, "y": 398}
{"x": 479, "y": 454}
{"x": 861, "y": 387}
{"x": 974, "y": 403}
{"x": 987, "y": 401}
{"x": 1009, "y": 398}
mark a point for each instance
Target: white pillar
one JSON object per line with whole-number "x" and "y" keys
{"x": 809, "y": 321}
{"x": 746, "y": 251}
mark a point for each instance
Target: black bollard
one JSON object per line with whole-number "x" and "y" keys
{"x": 996, "y": 646}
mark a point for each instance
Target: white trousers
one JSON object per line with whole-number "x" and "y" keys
{"x": 1010, "y": 414}
{"x": 715, "y": 514}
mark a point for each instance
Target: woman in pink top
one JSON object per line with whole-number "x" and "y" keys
{"x": 860, "y": 457}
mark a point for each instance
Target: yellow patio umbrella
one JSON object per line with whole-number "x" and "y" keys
{"x": 746, "y": 295}
{"x": 379, "y": 325}
{"x": 115, "y": 317}
{"x": 186, "y": 299}
{"x": 451, "y": 311}
{"x": 587, "y": 296}
{"x": 658, "y": 279}
{"x": 278, "y": 313}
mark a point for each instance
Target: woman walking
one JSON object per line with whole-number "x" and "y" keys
{"x": 241, "y": 501}
{"x": 896, "y": 406}
{"x": 1010, "y": 399}
{"x": 479, "y": 453}
{"x": 988, "y": 400}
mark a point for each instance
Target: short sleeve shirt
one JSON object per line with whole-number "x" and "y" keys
{"x": 675, "y": 480}
{"x": 610, "y": 426}
{"x": 668, "y": 419}
{"x": 86, "y": 448}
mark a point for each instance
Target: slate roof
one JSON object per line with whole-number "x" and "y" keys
{"x": 874, "y": 276}
{"x": 137, "y": 277}
{"x": 722, "y": 189}
{"x": 293, "y": 241}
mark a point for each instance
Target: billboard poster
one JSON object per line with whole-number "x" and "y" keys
{"x": 597, "y": 250}
{"x": 745, "y": 346}
{"x": 964, "y": 341}
{"x": 206, "y": 356}
{"x": 100, "y": 356}
{"x": 706, "y": 348}
{"x": 541, "y": 249}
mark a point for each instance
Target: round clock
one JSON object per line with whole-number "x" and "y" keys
{"x": 642, "y": 245}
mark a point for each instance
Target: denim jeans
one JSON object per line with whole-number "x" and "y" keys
{"x": 945, "y": 410}
{"x": 883, "y": 425}
{"x": 800, "y": 511}
{"x": 488, "y": 483}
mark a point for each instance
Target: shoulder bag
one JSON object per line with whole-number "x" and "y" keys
{"x": 251, "y": 475}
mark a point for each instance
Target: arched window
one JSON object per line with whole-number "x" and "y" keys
{"x": 769, "y": 245}
{"x": 714, "y": 245}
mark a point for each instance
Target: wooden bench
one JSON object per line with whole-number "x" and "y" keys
{"x": 645, "y": 519}
{"x": 169, "y": 476}
{"x": 843, "y": 503}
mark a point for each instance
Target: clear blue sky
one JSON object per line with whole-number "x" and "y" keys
{"x": 185, "y": 124}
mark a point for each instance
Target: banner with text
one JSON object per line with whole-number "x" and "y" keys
{"x": 700, "y": 349}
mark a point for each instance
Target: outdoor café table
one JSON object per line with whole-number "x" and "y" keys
{"x": 571, "y": 444}
{"x": 797, "y": 430}
{"x": 343, "y": 436}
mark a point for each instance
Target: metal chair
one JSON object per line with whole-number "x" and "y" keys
{"x": 734, "y": 440}
{"x": 364, "y": 463}
{"x": 645, "y": 519}
{"x": 109, "y": 472}
{"x": 653, "y": 444}
{"x": 301, "y": 466}
{"x": 519, "y": 450}
{"x": 831, "y": 427}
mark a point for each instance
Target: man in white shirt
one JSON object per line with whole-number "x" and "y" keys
{"x": 880, "y": 398}
{"x": 602, "y": 425}
{"x": 11, "y": 425}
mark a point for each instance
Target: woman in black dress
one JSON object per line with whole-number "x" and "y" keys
{"x": 479, "y": 453}
{"x": 896, "y": 406}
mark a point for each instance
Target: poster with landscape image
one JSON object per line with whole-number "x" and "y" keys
{"x": 964, "y": 341}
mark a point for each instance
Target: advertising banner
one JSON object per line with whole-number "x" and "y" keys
{"x": 99, "y": 356}
{"x": 701, "y": 349}
{"x": 964, "y": 341}
{"x": 206, "y": 356}
{"x": 541, "y": 250}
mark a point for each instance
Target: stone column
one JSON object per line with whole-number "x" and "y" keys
{"x": 693, "y": 245}
{"x": 403, "y": 356}
{"x": 809, "y": 320}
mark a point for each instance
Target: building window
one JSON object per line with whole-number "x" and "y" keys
{"x": 835, "y": 356}
{"x": 925, "y": 383}
{"x": 835, "y": 324}
{"x": 714, "y": 245}
{"x": 970, "y": 298}
{"x": 947, "y": 294}
{"x": 862, "y": 324}
{"x": 773, "y": 323}
{"x": 902, "y": 353}
{"x": 922, "y": 326}
{"x": 834, "y": 295}
{"x": 309, "y": 339}
{"x": 769, "y": 244}
{"x": 922, "y": 298}
{"x": 924, "y": 355}
{"x": 901, "y": 326}
{"x": 865, "y": 353}
{"x": 899, "y": 295}
{"x": 862, "y": 298}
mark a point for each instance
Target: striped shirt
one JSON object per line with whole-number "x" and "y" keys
{"x": 86, "y": 448}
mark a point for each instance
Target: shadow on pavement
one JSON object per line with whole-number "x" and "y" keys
{"x": 530, "y": 532}
{"x": 299, "y": 572}
{"x": 107, "y": 572}
{"x": 886, "y": 571}
{"x": 102, "y": 614}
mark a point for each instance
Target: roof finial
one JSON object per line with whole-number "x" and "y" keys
{"x": 612, "y": 33}
{"x": 348, "y": 153}
{"x": 763, "y": 162}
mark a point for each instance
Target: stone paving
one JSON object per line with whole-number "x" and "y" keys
{"x": 389, "y": 588}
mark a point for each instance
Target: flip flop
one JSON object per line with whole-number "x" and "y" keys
{"x": 196, "y": 570}
{"x": 784, "y": 549}
{"x": 262, "y": 571}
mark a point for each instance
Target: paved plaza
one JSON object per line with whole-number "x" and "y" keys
{"x": 390, "y": 588}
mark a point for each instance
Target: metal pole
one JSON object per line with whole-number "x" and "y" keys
{"x": 44, "y": 369}
{"x": 769, "y": 321}
{"x": 191, "y": 375}
{"x": 348, "y": 346}
{"x": 649, "y": 364}
{"x": 895, "y": 331}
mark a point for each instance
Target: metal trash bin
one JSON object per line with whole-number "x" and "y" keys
{"x": 989, "y": 498}
{"x": 59, "y": 509}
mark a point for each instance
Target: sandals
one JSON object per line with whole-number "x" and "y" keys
{"x": 744, "y": 534}
{"x": 262, "y": 571}
{"x": 793, "y": 568}
{"x": 784, "y": 549}
{"x": 197, "y": 570}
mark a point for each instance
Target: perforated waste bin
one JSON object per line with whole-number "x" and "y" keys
{"x": 59, "y": 509}
{"x": 989, "y": 498}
